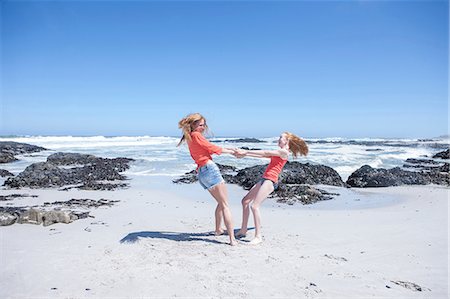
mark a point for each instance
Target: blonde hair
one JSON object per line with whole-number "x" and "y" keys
{"x": 187, "y": 125}
{"x": 296, "y": 145}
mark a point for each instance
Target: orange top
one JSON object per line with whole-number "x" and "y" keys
{"x": 201, "y": 149}
{"x": 274, "y": 169}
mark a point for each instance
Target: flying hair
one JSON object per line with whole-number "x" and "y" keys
{"x": 187, "y": 125}
{"x": 297, "y": 146}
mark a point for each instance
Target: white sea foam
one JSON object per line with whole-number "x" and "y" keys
{"x": 159, "y": 155}
{"x": 61, "y": 142}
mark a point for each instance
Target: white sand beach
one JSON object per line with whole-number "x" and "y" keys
{"x": 156, "y": 243}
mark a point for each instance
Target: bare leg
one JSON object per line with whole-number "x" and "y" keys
{"x": 246, "y": 209}
{"x": 219, "y": 216}
{"x": 220, "y": 193}
{"x": 264, "y": 191}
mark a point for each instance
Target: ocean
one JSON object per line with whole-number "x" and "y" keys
{"x": 160, "y": 156}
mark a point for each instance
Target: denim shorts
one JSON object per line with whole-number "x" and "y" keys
{"x": 275, "y": 185}
{"x": 209, "y": 175}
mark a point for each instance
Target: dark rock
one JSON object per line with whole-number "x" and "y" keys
{"x": 13, "y": 210}
{"x": 5, "y": 173}
{"x": 12, "y": 196}
{"x": 378, "y": 143}
{"x": 306, "y": 173}
{"x": 191, "y": 177}
{"x": 292, "y": 184}
{"x": 422, "y": 161}
{"x": 367, "y": 176}
{"x": 98, "y": 186}
{"x": 436, "y": 172}
{"x": 293, "y": 173}
{"x": 337, "y": 258}
{"x": 42, "y": 174}
{"x": 422, "y": 164}
{"x": 249, "y": 176}
{"x": 300, "y": 193}
{"x": 250, "y": 149}
{"x": 245, "y": 140}
{"x": 444, "y": 168}
{"x": 187, "y": 178}
{"x": 8, "y": 149}
{"x": 93, "y": 169}
{"x": 7, "y": 158}
{"x": 443, "y": 155}
{"x": 408, "y": 285}
{"x": 82, "y": 203}
{"x": 17, "y": 148}
{"x": 71, "y": 159}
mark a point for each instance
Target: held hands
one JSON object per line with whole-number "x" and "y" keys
{"x": 239, "y": 153}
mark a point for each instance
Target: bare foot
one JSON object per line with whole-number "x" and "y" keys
{"x": 255, "y": 241}
{"x": 233, "y": 243}
{"x": 240, "y": 234}
{"x": 219, "y": 232}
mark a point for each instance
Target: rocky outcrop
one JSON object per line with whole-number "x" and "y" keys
{"x": 293, "y": 185}
{"x": 68, "y": 159}
{"x": 13, "y": 196}
{"x": 7, "y": 157}
{"x": 367, "y": 176}
{"x": 443, "y": 155}
{"x": 240, "y": 140}
{"x": 246, "y": 140}
{"x": 39, "y": 175}
{"x": 389, "y": 143}
{"x": 5, "y": 173}
{"x": 97, "y": 186}
{"x": 227, "y": 172}
{"x": 422, "y": 164}
{"x": 293, "y": 173}
{"x": 85, "y": 203}
{"x": 45, "y": 216}
{"x": 17, "y": 148}
{"x": 304, "y": 194}
{"x": 8, "y": 149}
{"x": 88, "y": 172}
{"x": 420, "y": 171}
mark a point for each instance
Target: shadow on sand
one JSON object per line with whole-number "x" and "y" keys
{"x": 173, "y": 236}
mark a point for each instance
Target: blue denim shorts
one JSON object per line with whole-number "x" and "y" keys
{"x": 209, "y": 175}
{"x": 275, "y": 185}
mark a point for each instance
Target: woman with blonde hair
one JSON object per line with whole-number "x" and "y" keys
{"x": 287, "y": 142}
{"x": 208, "y": 173}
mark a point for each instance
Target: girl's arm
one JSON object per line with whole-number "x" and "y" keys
{"x": 284, "y": 154}
{"x": 205, "y": 144}
{"x": 211, "y": 148}
{"x": 230, "y": 151}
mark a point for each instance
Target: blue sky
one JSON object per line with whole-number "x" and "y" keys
{"x": 253, "y": 68}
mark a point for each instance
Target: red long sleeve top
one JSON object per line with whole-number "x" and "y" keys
{"x": 201, "y": 149}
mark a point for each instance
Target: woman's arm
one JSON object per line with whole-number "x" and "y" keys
{"x": 211, "y": 148}
{"x": 205, "y": 144}
{"x": 284, "y": 154}
{"x": 230, "y": 151}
